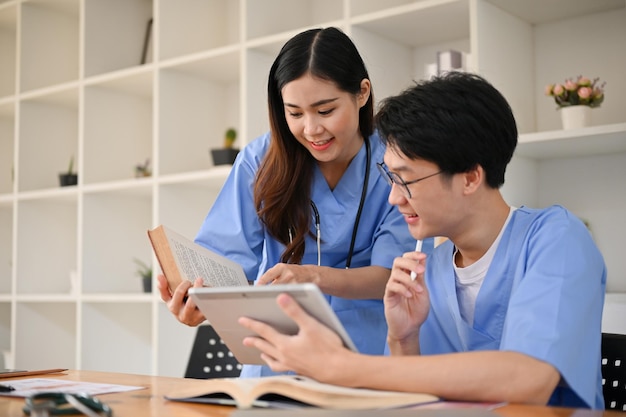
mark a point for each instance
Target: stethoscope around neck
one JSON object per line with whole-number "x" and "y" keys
{"x": 355, "y": 228}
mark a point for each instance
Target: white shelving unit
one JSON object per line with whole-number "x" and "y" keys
{"x": 72, "y": 84}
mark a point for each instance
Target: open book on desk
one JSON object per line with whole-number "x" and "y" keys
{"x": 182, "y": 259}
{"x": 394, "y": 412}
{"x": 288, "y": 391}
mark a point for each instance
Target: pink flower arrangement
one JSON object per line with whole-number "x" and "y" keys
{"x": 575, "y": 91}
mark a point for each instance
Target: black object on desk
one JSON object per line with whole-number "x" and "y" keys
{"x": 6, "y": 388}
{"x": 614, "y": 371}
{"x": 210, "y": 357}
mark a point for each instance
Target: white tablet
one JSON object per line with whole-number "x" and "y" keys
{"x": 222, "y": 307}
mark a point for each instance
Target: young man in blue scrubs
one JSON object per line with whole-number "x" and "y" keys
{"x": 508, "y": 309}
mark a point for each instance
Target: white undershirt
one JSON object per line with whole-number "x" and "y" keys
{"x": 470, "y": 279}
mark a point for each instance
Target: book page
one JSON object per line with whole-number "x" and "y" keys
{"x": 224, "y": 391}
{"x": 197, "y": 261}
{"x": 261, "y": 392}
{"x": 323, "y": 395}
{"x": 193, "y": 264}
{"x": 31, "y": 386}
{"x": 193, "y": 261}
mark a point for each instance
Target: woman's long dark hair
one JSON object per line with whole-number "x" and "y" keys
{"x": 283, "y": 182}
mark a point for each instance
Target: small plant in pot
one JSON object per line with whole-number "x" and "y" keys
{"x": 69, "y": 177}
{"x": 144, "y": 271}
{"x": 143, "y": 170}
{"x": 227, "y": 154}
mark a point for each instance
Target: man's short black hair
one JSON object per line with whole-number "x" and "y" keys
{"x": 457, "y": 121}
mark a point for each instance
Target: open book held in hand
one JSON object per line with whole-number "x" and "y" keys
{"x": 182, "y": 259}
{"x": 286, "y": 391}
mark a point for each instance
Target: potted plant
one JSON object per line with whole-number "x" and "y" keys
{"x": 69, "y": 177}
{"x": 143, "y": 170}
{"x": 575, "y": 98}
{"x": 226, "y": 154}
{"x": 144, "y": 271}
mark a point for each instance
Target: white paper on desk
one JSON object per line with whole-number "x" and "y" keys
{"x": 30, "y": 386}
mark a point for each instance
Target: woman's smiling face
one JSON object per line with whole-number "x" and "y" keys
{"x": 323, "y": 118}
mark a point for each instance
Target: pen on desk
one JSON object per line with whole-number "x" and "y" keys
{"x": 418, "y": 248}
{"x": 6, "y": 388}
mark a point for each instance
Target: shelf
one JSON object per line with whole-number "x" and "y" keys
{"x": 359, "y": 7}
{"x": 8, "y": 33}
{"x": 49, "y": 43}
{"x": 47, "y": 233}
{"x": 118, "y": 127}
{"x": 7, "y": 147}
{"x": 114, "y": 34}
{"x": 409, "y": 36}
{"x": 113, "y": 298}
{"x": 540, "y": 12}
{"x": 51, "y": 298}
{"x": 48, "y": 139}
{"x": 73, "y": 84}
{"x": 204, "y": 177}
{"x": 127, "y": 80}
{"x": 68, "y": 193}
{"x": 6, "y": 249}
{"x": 5, "y": 328}
{"x": 219, "y": 66}
{"x": 258, "y": 63}
{"x": 614, "y": 313}
{"x": 262, "y": 19}
{"x": 172, "y": 359}
{"x": 420, "y": 23}
{"x": 197, "y": 105}
{"x": 197, "y": 27}
{"x": 595, "y": 140}
{"x": 47, "y": 335}
{"x": 183, "y": 207}
{"x": 134, "y": 186}
{"x": 123, "y": 328}
{"x": 114, "y": 232}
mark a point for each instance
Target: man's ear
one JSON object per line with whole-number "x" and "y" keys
{"x": 473, "y": 179}
{"x": 364, "y": 94}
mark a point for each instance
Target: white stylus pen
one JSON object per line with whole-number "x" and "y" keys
{"x": 418, "y": 248}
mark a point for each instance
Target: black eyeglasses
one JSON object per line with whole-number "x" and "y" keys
{"x": 58, "y": 403}
{"x": 393, "y": 178}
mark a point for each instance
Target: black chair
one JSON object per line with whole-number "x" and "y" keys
{"x": 614, "y": 371}
{"x": 210, "y": 358}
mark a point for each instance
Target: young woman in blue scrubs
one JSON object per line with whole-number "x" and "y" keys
{"x": 509, "y": 309}
{"x": 316, "y": 168}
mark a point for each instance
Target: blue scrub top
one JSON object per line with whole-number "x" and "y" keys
{"x": 542, "y": 296}
{"x": 233, "y": 229}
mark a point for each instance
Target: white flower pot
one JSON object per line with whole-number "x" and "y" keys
{"x": 575, "y": 117}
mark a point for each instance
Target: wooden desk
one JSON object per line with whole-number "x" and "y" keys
{"x": 150, "y": 402}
